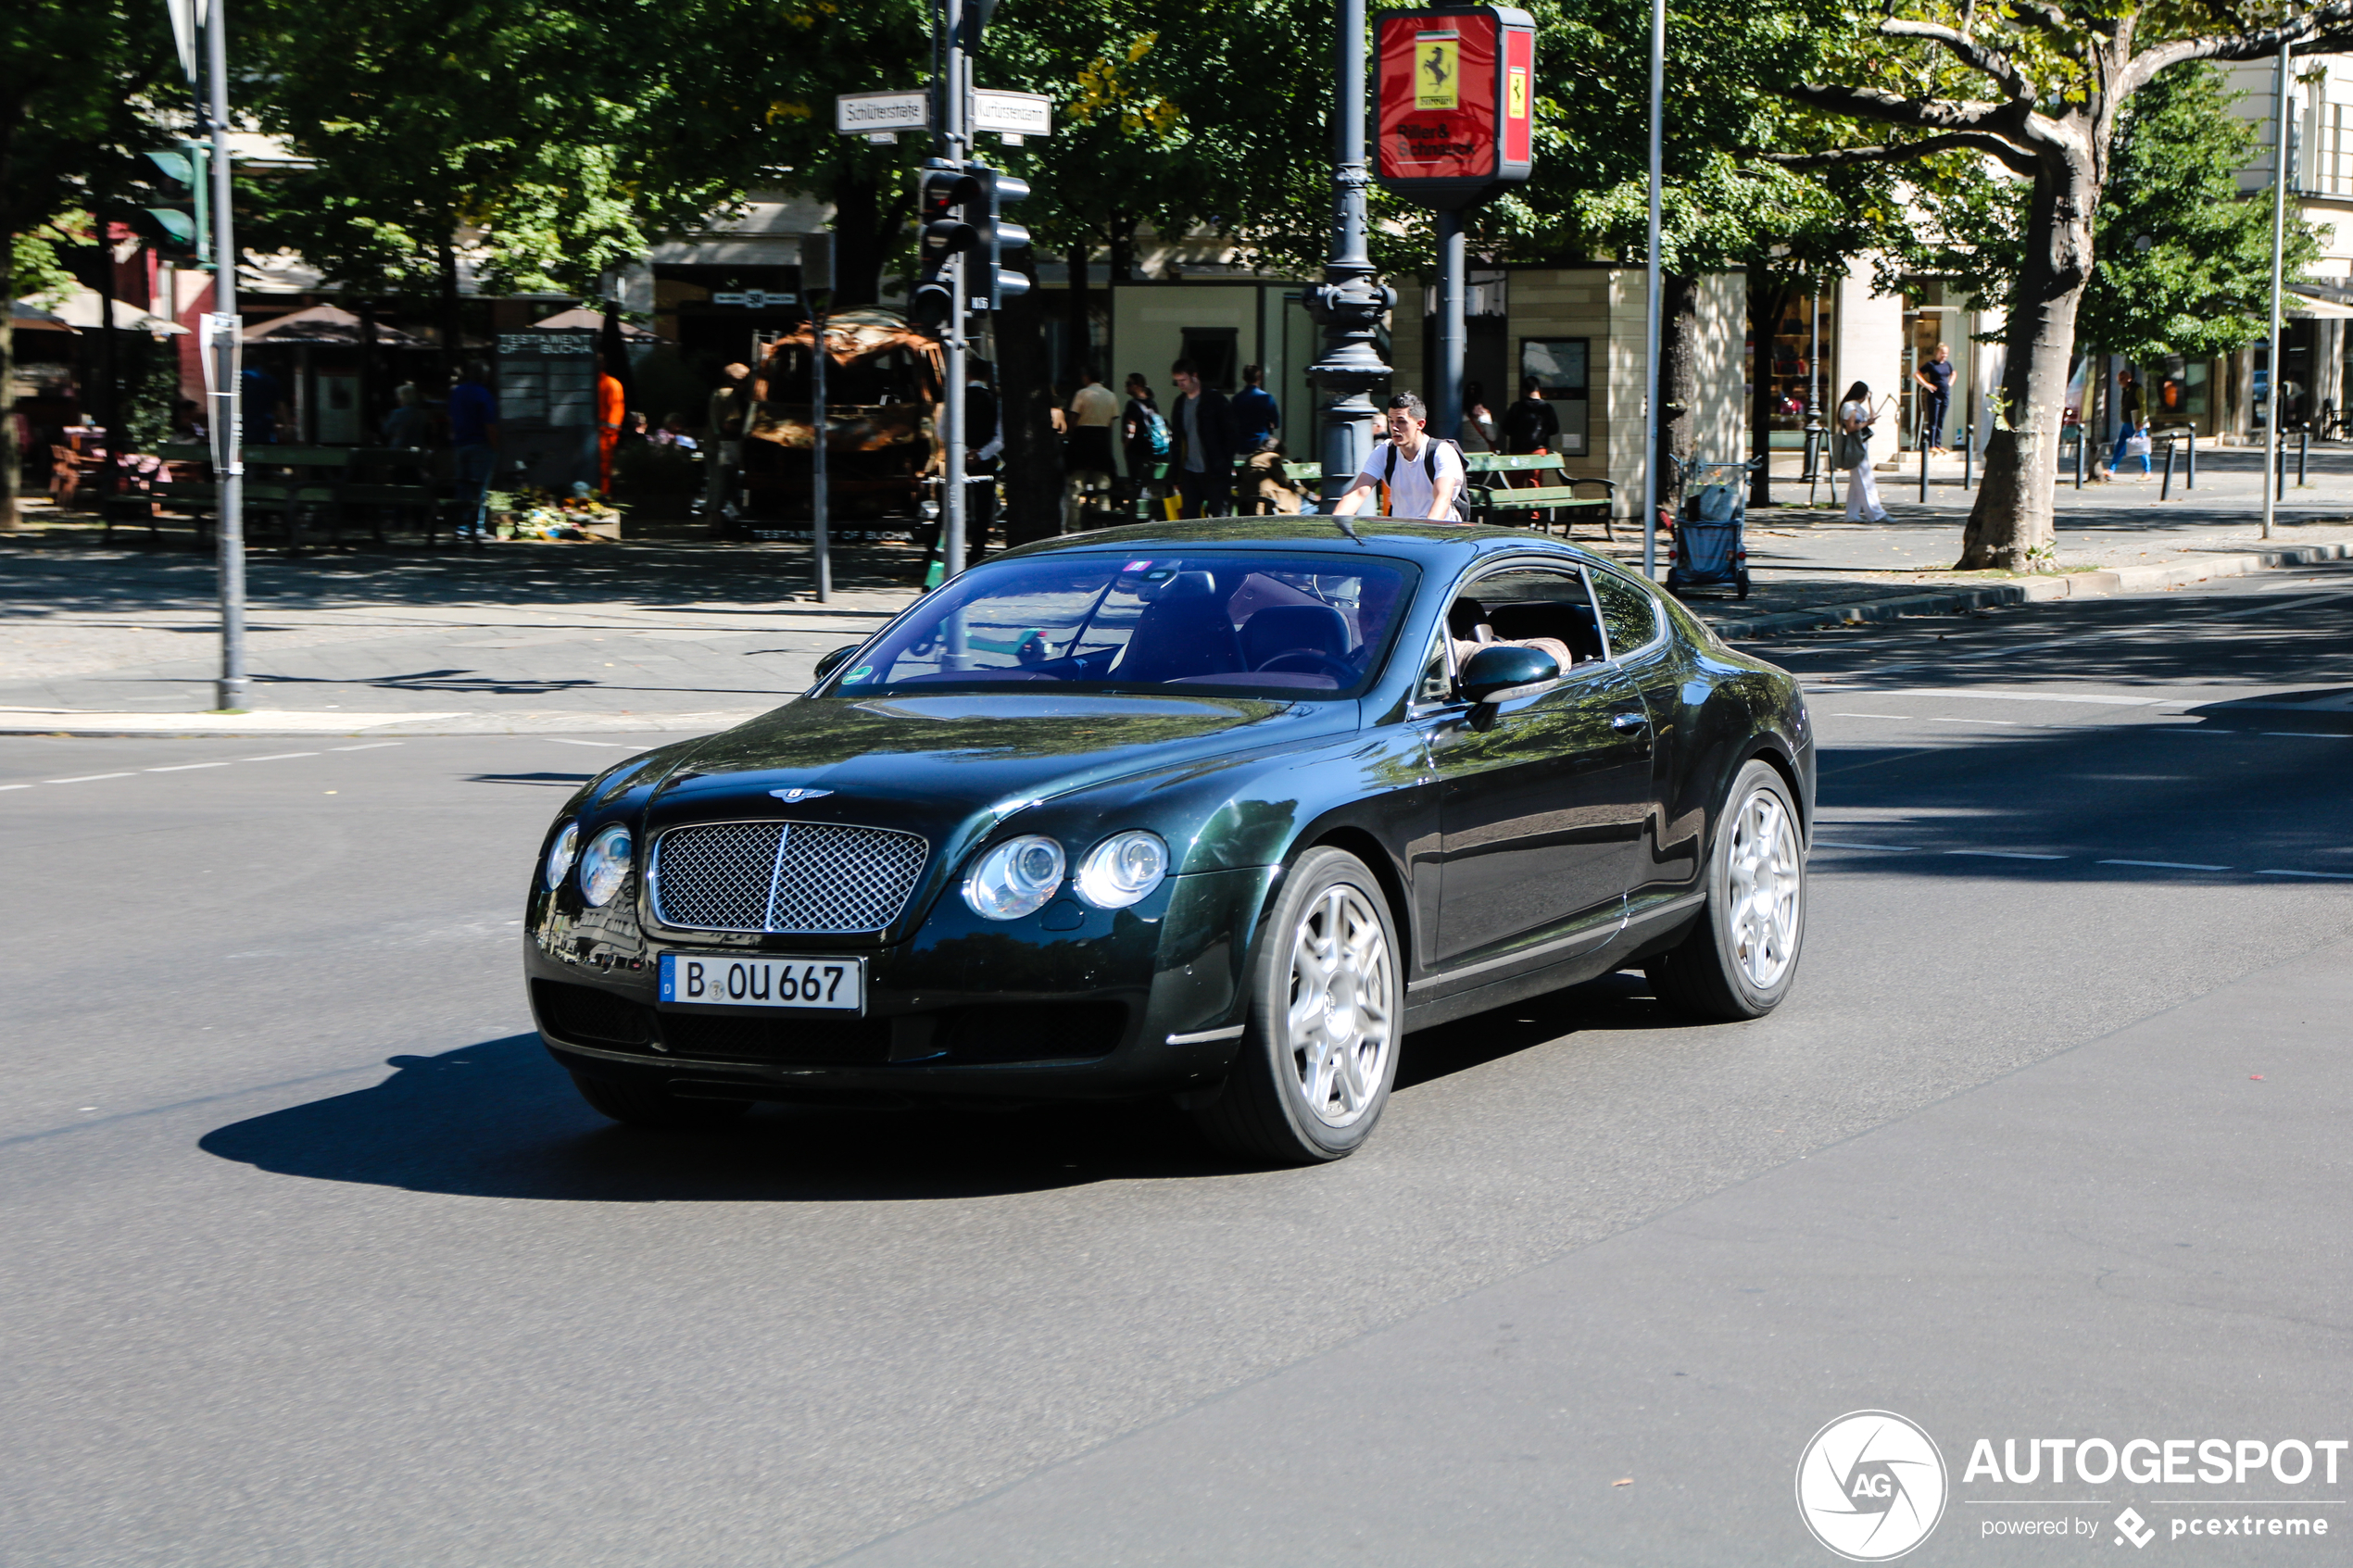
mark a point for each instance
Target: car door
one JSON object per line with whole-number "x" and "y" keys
{"x": 1666, "y": 862}
{"x": 1542, "y": 798}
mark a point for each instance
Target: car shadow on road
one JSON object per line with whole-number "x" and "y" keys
{"x": 499, "y": 1120}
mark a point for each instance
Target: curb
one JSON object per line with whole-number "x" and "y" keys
{"x": 2105, "y": 584}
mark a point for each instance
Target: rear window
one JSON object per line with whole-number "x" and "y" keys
{"x": 1238, "y": 622}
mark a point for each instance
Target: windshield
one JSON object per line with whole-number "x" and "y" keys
{"x": 1246, "y": 622}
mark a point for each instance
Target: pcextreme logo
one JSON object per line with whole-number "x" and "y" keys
{"x": 1870, "y": 1486}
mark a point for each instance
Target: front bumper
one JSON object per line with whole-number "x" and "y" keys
{"x": 1071, "y": 1002}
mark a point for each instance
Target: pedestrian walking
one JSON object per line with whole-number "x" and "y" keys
{"x": 1936, "y": 379}
{"x": 1480, "y": 433}
{"x": 1855, "y": 418}
{"x": 1255, "y": 415}
{"x": 730, "y": 406}
{"x": 1206, "y": 444}
{"x": 1145, "y": 441}
{"x": 612, "y": 406}
{"x": 2132, "y": 419}
{"x": 1423, "y": 474}
{"x": 474, "y": 440}
{"x": 1086, "y": 452}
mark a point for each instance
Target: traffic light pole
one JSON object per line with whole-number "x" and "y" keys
{"x": 955, "y": 147}
{"x": 228, "y": 468}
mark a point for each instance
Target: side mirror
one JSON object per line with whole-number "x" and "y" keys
{"x": 833, "y": 661}
{"x": 1500, "y": 670}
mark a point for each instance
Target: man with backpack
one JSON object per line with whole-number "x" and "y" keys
{"x": 1144, "y": 435}
{"x": 1423, "y": 474}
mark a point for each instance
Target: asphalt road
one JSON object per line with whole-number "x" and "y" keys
{"x": 312, "y": 1257}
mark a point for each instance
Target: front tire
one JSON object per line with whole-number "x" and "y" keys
{"x": 1328, "y": 1005}
{"x": 1740, "y": 960}
{"x": 639, "y": 1105}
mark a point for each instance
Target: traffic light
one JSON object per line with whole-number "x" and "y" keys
{"x": 948, "y": 203}
{"x": 183, "y": 222}
{"x": 997, "y": 283}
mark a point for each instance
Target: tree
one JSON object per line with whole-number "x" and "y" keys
{"x": 77, "y": 83}
{"x": 2039, "y": 86}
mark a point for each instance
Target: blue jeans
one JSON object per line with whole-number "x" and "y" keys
{"x": 471, "y": 469}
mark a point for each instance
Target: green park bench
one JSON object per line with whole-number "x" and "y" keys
{"x": 1504, "y": 504}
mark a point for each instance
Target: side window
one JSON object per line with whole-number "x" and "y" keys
{"x": 1530, "y": 606}
{"x": 1628, "y": 613}
{"x": 1436, "y": 684}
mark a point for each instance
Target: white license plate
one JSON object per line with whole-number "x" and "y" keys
{"x": 839, "y": 984}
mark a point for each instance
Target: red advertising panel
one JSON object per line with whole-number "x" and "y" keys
{"x": 1456, "y": 101}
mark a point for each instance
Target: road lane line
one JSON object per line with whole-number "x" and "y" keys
{"x": 183, "y": 766}
{"x": 2166, "y": 865}
{"x": 371, "y": 746}
{"x": 15, "y": 786}
{"x": 2331, "y": 876}
{"x": 277, "y": 757}
{"x": 611, "y": 744}
{"x": 2006, "y": 854}
{"x": 87, "y": 778}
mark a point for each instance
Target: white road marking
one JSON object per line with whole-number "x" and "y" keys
{"x": 615, "y": 745}
{"x": 183, "y": 766}
{"x": 277, "y": 757}
{"x": 2166, "y": 865}
{"x": 371, "y": 745}
{"x": 2332, "y": 876}
{"x": 87, "y": 778}
{"x": 15, "y": 786}
{"x": 1883, "y": 848}
{"x": 2006, "y": 854}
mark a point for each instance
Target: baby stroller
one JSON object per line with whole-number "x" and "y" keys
{"x": 1710, "y": 544}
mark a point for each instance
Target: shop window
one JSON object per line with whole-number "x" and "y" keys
{"x": 1560, "y": 367}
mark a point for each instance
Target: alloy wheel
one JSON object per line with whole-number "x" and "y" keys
{"x": 1339, "y": 1025}
{"x": 1766, "y": 879}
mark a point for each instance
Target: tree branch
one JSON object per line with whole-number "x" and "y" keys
{"x": 2312, "y": 34}
{"x": 1976, "y": 55}
{"x": 2015, "y": 158}
{"x": 1869, "y": 103}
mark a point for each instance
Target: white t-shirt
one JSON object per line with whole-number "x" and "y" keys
{"x": 1410, "y": 487}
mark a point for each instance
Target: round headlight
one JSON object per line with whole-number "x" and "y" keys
{"x": 1122, "y": 869}
{"x": 605, "y": 865}
{"x": 562, "y": 853}
{"x": 1015, "y": 878}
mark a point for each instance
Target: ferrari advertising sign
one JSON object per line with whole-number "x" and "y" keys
{"x": 1456, "y": 100}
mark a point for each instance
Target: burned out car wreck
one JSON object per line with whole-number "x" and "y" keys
{"x": 1216, "y": 811}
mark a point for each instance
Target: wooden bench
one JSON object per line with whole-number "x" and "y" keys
{"x": 1504, "y": 504}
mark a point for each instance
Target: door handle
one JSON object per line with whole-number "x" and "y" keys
{"x": 1623, "y": 721}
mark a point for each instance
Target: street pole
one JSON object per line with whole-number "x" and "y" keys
{"x": 1650, "y": 312}
{"x": 954, "y": 146}
{"x": 1350, "y": 301}
{"x": 228, "y": 467}
{"x": 819, "y": 496}
{"x": 1452, "y": 332}
{"x": 2279, "y": 241}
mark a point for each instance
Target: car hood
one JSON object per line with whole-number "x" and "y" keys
{"x": 931, "y": 762}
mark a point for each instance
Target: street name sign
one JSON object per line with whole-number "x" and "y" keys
{"x": 861, "y": 114}
{"x": 758, "y": 299}
{"x": 1012, "y": 114}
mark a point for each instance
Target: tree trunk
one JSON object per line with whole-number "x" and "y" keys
{"x": 1677, "y": 383}
{"x": 11, "y": 459}
{"x": 1079, "y": 349}
{"x": 1025, "y": 403}
{"x": 2010, "y": 528}
{"x": 1768, "y": 297}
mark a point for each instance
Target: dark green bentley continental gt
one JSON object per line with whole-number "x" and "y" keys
{"x": 1219, "y": 812}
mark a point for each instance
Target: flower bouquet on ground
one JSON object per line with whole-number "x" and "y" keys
{"x": 583, "y": 517}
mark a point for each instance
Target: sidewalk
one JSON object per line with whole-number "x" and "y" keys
{"x": 689, "y": 637}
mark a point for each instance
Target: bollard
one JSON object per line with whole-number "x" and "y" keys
{"x": 2190, "y": 480}
{"x": 1923, "y": 468}
{"x": 1968, "y": 454}
{"x": 2079, "y": 457}
{"x": 2303, "y": 452}
{"x": 2165, "y": 491}
{"x": 2279, "y": 460}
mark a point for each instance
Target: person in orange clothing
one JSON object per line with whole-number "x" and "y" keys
{"x": 611, "y": 408}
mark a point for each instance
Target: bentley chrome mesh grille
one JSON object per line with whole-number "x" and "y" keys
{"x": 795, "y": 878}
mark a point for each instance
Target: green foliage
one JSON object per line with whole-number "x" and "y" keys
{"x": 2185, "y": 259}
{"x": 37, "y": 270}
{"x": 77, "y": 84}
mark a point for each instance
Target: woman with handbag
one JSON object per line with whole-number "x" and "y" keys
{"x": 1855, "y": 418}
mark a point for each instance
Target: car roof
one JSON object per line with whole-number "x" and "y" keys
{"x": 1430, "y": 543}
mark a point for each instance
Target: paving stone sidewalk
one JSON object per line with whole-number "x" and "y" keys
{"x": 691, "y": 635}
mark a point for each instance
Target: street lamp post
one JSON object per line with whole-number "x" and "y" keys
{"x": 1650, "y": 324}
{"x": 222, "y": 350}
{"x": 1350, "y": 300}
{"x": 2279, "y": 238}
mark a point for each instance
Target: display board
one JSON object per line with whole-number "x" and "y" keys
{"x": 1457, "y": 103}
